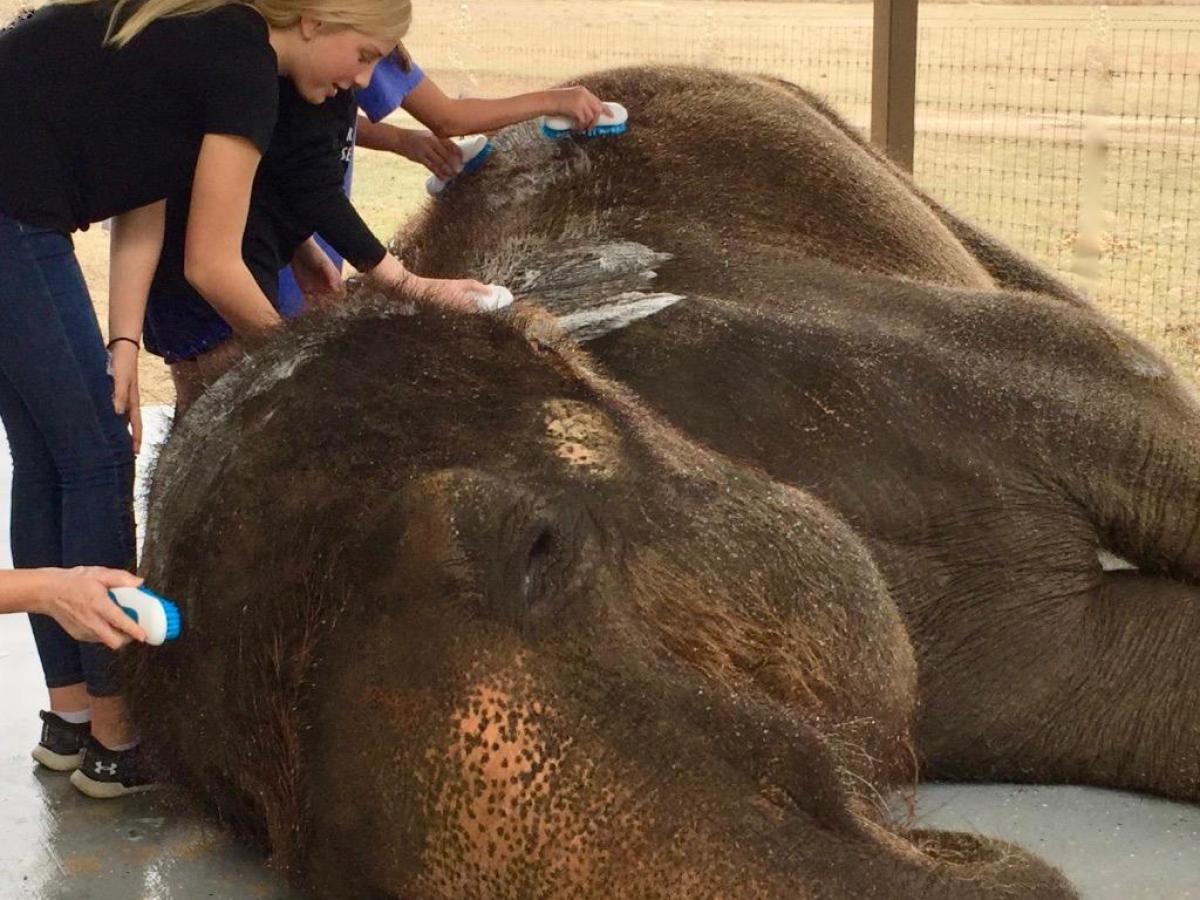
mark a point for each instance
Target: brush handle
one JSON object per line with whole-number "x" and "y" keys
{"x": 470, "y": 147}
{"x": 158, "y": 616}
{"x": 617, "y": 115}
{"x": 497, "y": 297}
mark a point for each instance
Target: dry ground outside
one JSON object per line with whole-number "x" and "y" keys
{"x": 1009, "y": 100}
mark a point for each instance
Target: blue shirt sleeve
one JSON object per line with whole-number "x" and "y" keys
{"x": 390, "y": 84}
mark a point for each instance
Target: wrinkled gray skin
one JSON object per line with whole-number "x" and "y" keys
{"x": 983, "y": 428}
{"x": 466, "y": 620}
{"x": 463, "y": 621}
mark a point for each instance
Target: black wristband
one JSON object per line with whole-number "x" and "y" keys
{"x": 109, "y": 345}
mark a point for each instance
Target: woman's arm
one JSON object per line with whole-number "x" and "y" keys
{"x": 462, "y": 294}
{"x": 447, "y": 116}
{"x": 76, "y": 598}
{"x": 438, "y": 154}
{"x": 336, "y": 219}
{"x": 378, "y": 135}
{"x": 213, "y": 261}
{"x": 137, "y": 239}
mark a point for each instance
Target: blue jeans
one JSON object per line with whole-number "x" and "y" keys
{"x": 72, "y": 491}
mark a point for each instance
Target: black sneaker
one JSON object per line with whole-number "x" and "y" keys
{"x": 61, "y": 744}
{"x": 105, "y": 773}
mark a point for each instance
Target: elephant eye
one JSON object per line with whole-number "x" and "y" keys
{"x": 538, "y": 566}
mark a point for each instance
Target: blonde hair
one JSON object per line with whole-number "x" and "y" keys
{"x": 388, "y": 19}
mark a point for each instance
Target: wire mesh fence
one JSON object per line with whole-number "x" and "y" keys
{"x": 1073, "y": 132}
{"x": 1077, "y": 140}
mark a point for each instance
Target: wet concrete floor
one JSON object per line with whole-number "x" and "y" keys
{"x": 56, "y": 844}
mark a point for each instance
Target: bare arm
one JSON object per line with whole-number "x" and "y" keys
{"x": 137, "y": 239}
{"x": 76, "y": 598}
{"x": 463, "y": 294}
{"x": 439, "y": 155}
{"x": 446, "y": 116}
{"x": 377, "y": 135}
{"x": 21, "y": 590}
{"x": 213, "y": 261}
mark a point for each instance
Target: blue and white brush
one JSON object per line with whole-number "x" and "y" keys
{"x": 475, "y": 149}
{"x": 612, "y": 122}
{"x": 158, "y": 616}
{"x": 497, "y": 297}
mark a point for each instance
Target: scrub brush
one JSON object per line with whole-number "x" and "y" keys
{"x": 158, "y": 616}
{"x": 497, "y": 297}
{"x": 475, "y": 149}
{"x": 612, "y": 122}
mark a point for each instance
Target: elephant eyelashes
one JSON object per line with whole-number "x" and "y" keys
{"x": 559, "y": 564}
{"x": 539, "y": 562}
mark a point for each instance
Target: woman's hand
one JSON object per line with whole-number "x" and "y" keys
{"x": 440, "y": 156}
{"x": 127, "y": 401}
{"x": 137, "y": 238}
{"x": 78, "y": 600}
{"x": 315, "y": 272}
{"x": 577, "y": 103}
{"x": 457, "y": 293}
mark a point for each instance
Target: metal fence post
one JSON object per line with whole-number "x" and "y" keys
{"x": 894, "y": 79}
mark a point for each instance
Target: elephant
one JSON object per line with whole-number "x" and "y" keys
{"x": 1025, "y": 472}
{"x": 780, "y": 486}
{"x": 464, "y": 619}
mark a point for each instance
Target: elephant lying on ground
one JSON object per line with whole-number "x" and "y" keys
{"x": 468, "y": 618}
{"x": 463, "y": 620}
{"x": 774, "y": 288}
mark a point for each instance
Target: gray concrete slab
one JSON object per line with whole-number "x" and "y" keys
{"x": 57, "y": 845}
{"x": 1113, "y": 845}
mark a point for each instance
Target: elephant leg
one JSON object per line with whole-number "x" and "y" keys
{"x": 1103, "y": 689}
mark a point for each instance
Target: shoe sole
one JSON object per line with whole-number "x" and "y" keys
{"x": 105, "y": 790}
{"x": 56, "y": 762}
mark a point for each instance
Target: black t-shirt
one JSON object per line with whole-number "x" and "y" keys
{"x": 89, "y": 131}
{"x": 298, "y": 190}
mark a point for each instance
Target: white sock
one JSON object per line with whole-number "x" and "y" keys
{"x": 121, "y": 748}
{"x": 75, "y": 718}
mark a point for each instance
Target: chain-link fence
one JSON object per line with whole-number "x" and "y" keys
{"x": 1071, "y": 131}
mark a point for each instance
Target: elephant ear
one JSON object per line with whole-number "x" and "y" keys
{"x": 595, "y": 288}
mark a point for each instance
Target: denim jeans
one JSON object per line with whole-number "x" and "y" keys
{"x": 72, "y": 491}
